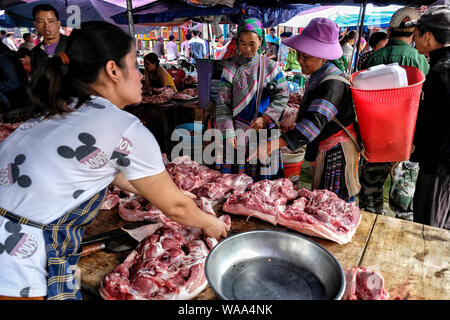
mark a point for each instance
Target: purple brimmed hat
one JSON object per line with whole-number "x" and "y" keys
{"x": 319, "y": 39}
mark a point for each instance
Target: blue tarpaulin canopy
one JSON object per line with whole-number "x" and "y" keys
{"x": 345, "y": 16}
{"x": 167, "y": 11}
{"x": 90, "y": 10}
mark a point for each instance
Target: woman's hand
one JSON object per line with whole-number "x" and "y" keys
{"x": 258, "y": 124}
{"x": 266, "y": 148}
{"x": 216, "y": 229}
{"x": 233, "y": 142}
{"x": 162, "y": 192}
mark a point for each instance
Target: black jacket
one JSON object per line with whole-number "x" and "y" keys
{"x": 432, "y": 134}
{"x": 338, "y": 94}
{"x": 13, "y": 81}
{"x": 38, "y": 54}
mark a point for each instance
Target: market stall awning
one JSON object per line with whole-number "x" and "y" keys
{"x": 167, "y": 11}
{"x": 89, "y": 10}
{"x": 345, "y": 16}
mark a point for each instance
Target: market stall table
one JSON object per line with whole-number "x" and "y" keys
{"x": 161, "y": 119}
{"x": 414, "y": 259}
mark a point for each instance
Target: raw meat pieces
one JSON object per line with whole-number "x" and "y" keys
{"x": 7, "y": 128}
{"x": 362, "y": 284}
{"x": 319, "y": 213}
{"x": 264, "y": 199}
{"x": 157, "y": 95}
{"x": 323, "y": 214}
{"x": 186, "y": 94}
{"x": 166, "y": 265}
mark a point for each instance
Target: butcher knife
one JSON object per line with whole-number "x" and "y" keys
{"x": 116, "y": 245}
{"x": 118, "y": 240}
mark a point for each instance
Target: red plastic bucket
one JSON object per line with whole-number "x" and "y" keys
{"x": 292, "y": 172}
{"x": 387, "y": 118}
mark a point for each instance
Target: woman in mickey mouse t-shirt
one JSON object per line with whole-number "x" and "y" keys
{"x": 55, "y": 168}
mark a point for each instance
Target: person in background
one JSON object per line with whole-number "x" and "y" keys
{"x": 172, "y": 50}
{"x": 292, "y": 61}
{"x": 9, "y": 42}
{"x": 158, "y": 48}
{"x": 377, "y": 40}
{"x": 347, "y": 42}
{"x": 14, "y": 92}
{"x": 238, "y": 105}
{"x": 231, "y": 35}
{"x": 374, "y": 174}
{"x": 326, "y": 121}
{"x": 271, "y": 50}
{"x": 283, "y": 49}
{"x": 272, "y": 37}
{"x": 2, "y": 35}
{"x": 37, "y": 39}
{"x": 156, "y": 76}
{"x": 65, "y": 157}
{"x": 432, "y": 134}
{"x": 185, "y": 46}
{"x": 398, "y": 49}
{"x": 28, "y": 41}
{"x": 200, "y": 35}
{"x": 24, "y": 56}
{"x": 46, "y": 21}
{"x": 220, "y": 48}
{"x": 197, "y": 48}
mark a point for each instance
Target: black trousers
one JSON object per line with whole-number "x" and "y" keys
{"x": 432, "y": 200}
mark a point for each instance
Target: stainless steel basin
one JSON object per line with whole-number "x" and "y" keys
{"x": 273, "y": 265}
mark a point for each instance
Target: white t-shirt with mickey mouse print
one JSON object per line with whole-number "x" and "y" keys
{"x": 50, "y": 166}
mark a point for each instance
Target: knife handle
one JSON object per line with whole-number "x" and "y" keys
{"x": 92, "y": 248}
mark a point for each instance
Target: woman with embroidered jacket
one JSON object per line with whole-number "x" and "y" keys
{"x": 238, "y": 98}
{"x": 327, "y": 97}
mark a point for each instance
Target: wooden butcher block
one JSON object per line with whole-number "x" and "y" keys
{"x": 95, "y": 267}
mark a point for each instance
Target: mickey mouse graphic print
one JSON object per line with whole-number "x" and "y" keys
{"x": 50, "y": 166}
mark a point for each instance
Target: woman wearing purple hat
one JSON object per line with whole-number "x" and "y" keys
{"x": 327, "y": 98}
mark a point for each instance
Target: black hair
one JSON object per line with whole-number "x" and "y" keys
{"x": 26, "y": 36}
{"x": 347, "y": 37}
{"x": 400, "y": 34}
{"x": 89, "y": 49}
{"x": 3, "y": 32}
{"x": 272, "y": 29}
{"x": 171, "y": 37}
{"x": 44, "y": 7}
{"x": 286, "y": 34}
{"x": 195, "y": 33}
{"x": 153, "y": 58}
{"x": 22, "y": 52}
{"x": 9, "y": 34}
{"x": 442, "y": 36}
{"x": 188, "y": 36}
{"x": 376, "y": 37}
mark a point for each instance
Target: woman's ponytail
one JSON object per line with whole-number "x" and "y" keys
{"x": 47, "y": 87}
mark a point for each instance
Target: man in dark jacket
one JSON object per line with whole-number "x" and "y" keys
{"x": 432, "y": 135}
{"x": 46, "y": 21}
{"x": 14, "y": 95}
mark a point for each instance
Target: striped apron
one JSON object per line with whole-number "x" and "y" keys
{"x": 62, "y": 244}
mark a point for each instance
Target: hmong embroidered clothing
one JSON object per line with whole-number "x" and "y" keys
{"x": 238, "y": 88}
{"x": 322, "y": 102}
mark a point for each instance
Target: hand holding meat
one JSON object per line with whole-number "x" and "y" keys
{"x": 216, "y": 229}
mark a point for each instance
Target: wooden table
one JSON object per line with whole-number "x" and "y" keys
{"x": 414, "y": 259}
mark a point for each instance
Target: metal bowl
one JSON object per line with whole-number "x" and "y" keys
{"x": 273, "y": 265}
